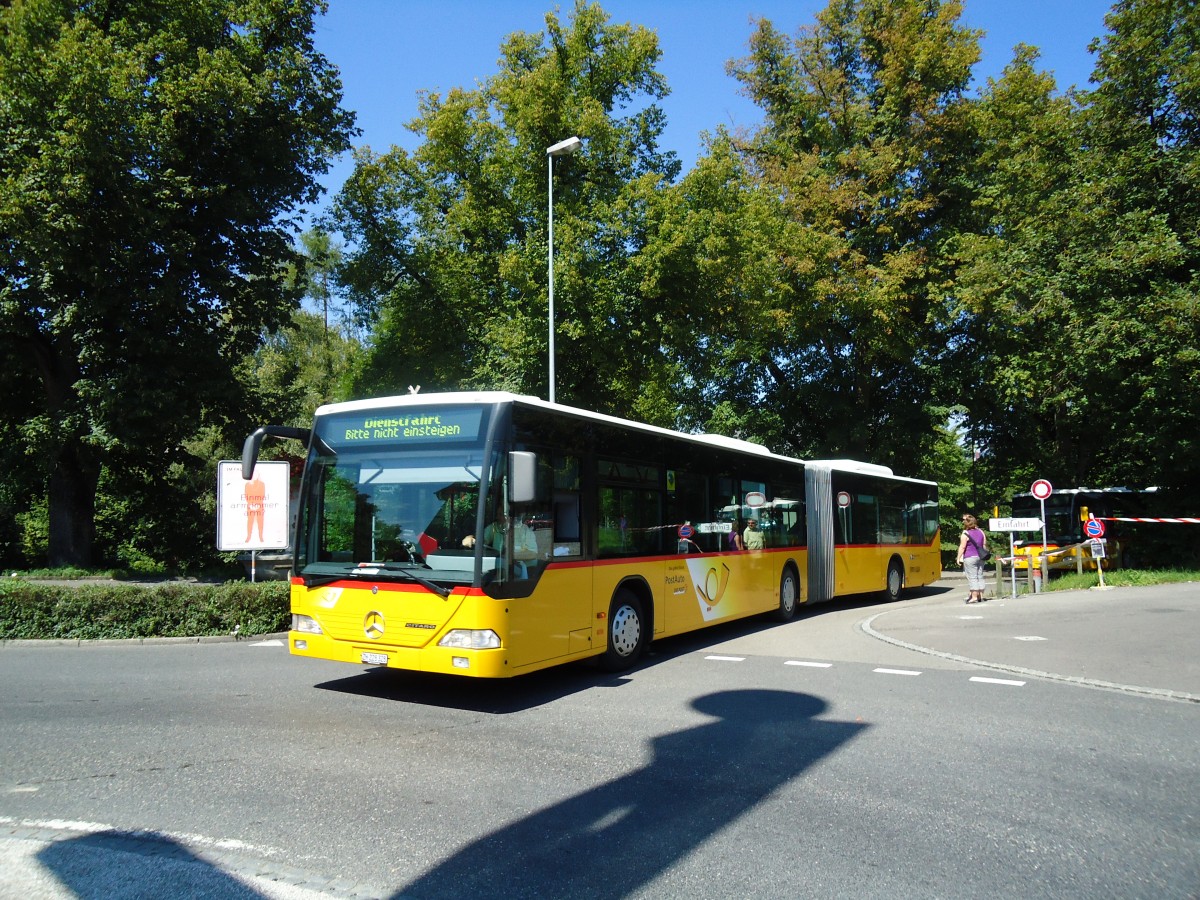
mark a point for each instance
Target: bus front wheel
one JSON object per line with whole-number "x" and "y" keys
{"x": 626, "y": 632}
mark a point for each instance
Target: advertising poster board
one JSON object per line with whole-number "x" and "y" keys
{"x": 253, "y": 515}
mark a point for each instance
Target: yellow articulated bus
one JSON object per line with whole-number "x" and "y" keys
{"x": 488, "y": 534}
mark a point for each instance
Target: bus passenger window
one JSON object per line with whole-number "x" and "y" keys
{"x": 629, "y": 522}
{"x": 567, "y": 532}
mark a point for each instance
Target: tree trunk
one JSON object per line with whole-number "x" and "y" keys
{"x": 74, "y": 476}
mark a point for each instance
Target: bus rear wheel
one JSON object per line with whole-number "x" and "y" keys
{"x": 789, "y": 595}
{"x": 626, "y": 632}
{"x": 895, "y": 581}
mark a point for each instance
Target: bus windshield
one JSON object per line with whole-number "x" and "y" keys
{"x": 384, "y": 492}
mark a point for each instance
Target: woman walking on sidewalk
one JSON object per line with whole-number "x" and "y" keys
{"x": 970, "y": 557}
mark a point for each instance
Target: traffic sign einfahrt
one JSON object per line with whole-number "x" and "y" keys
{"x": 1014, "y": 524}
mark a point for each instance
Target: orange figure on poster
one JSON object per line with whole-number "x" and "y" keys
{"x": 255, "y": 494}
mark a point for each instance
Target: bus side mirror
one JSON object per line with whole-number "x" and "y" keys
{"x": 522, "y": 476}
{"x": 250, "y": 453}
{"x": 254, "y": 442}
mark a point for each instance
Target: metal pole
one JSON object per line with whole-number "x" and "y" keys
{"x": 570, "y": 145}
{"x": 1012, "y": 555}
{"x": 1044, "y": 565}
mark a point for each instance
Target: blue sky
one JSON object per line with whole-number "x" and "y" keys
{"x": 388, "y": 50}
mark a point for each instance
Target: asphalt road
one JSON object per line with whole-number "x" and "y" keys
{"x": 1046, "y": 746}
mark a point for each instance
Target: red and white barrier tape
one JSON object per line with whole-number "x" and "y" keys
{"x": 1182, "y": 521}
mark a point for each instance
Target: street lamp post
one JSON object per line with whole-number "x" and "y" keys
{"x": 562, "y": 148}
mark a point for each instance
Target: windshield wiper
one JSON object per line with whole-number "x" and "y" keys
{"x": 367, "y": 570}
{"x": 400, "y": 570}
{"x": 313, "y": 581}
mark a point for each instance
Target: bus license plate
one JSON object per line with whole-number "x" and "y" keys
{"x": 375, "y": 659}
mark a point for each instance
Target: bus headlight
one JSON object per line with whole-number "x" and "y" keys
{"x": 471, "y": 639}
{"x": 306, "y": 624}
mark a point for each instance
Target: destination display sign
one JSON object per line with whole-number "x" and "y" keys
{"x": 428, "y": 424}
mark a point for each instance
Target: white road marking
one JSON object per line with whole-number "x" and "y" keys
{"x": 274, "y": 642}
{"x": 727, "y": 658}
{"x": 895, "y": 672}
{"x": 997, "y": 681}
{"x": 811, "y": 665}
{"x": 1031, "y": 637}
{"x": 182, "y": 837}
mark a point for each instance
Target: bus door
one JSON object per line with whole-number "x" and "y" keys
{"x": 550, "y": 607}
{"x": 629, "y": 532}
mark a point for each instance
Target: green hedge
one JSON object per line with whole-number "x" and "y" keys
{"x": 170, "y": 609}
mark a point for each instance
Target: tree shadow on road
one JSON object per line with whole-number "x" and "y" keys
{"x": 116, "y": 865}
{"x": 616, "y": 838}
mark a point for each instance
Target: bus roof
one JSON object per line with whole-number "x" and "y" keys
{"x": 496, "y": 397}
{"x": 852, "y": 465}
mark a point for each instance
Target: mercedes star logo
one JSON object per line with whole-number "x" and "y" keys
{"x": 373, "y": 625}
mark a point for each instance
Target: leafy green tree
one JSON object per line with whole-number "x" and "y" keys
{"x": 1078, "y": 283}
{"x": 450, "y": 241}
{"x": 825, "y": 326}
{"x": 1144, "y": 133}
{"x": 153, "y": 157}
{"x": 303, "y": 365}
{"x": 312, "y": 360}
{"x": 1009, "y": 321}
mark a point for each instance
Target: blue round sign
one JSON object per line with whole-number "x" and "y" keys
{"x": 686, "y": 531}
{"x": 1093, "y": 528}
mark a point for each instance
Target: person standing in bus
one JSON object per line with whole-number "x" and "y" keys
{"x": 753, "y": 538}
{"x": 735, "y": 535}
{"x": 970, "y": 556}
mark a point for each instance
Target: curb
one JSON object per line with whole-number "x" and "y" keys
{"x": 149, "y": 641}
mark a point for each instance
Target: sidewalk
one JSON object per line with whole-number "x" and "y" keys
{"x": 1141, "y": 640}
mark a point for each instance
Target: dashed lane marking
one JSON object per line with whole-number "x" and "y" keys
{"x": 882, "y": 671}
{"x": 1158, "y": 693}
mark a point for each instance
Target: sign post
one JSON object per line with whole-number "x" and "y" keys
{"x": 1094, "y": 529}
{"x": 1042, "y": 489}
{"x": 1012, "y": 526}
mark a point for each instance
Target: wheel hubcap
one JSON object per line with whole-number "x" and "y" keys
{"x": 626, "y": 630}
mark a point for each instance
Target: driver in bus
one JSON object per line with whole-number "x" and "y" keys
{"x": 524, "y": 543}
